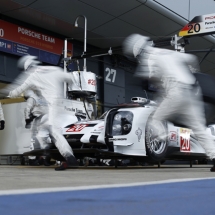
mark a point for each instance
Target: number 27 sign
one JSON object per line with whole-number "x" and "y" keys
{"x": 184, "y": 140}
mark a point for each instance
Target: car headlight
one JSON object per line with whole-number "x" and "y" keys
{"x": 127, "y": 127}
{"x": 116, "y": 127}
{"x": 122, "y": 123}
{"x": 129, "y": 117}
{"x": 117, "y": 117}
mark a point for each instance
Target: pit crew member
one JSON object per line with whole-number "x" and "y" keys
{"x": 182, "y": 103}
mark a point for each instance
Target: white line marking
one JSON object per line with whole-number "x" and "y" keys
{"x": 63, "y": 189}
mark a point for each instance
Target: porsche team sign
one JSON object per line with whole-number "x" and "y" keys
{"x": 199, "y": 25}
{"x": 20, "y": 40}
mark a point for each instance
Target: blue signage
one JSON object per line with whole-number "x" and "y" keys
{"x": 20, "y": 49}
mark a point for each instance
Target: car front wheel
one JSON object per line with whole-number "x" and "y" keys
{"x": 156, "y": 140}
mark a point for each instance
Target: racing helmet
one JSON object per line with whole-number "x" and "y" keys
{"x": 134, "y": 44}
{"x": 26, "y": 61}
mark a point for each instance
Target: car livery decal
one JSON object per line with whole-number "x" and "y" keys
{"x": 116, "y": 139}
{"x": 184, "y": 140}
{"x": 100, "y": 128}
{"x": 173, "y": 136}
{"x": 138, "y": 132}
{"x": 77, "y": 127}
{"x": 81, "y": 123}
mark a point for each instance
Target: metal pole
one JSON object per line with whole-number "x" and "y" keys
{"x": 85, "y": 42}
{"x": 64, "y": 68}
{"x": 85, "y": 37}
{"x": 176, "y": 42}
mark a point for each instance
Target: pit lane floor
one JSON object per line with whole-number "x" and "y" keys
{"x": 171, "y": 189}
{"x": 27, "y": 177}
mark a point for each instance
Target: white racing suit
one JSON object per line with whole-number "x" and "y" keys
{"x": 182, "y": 102}
{"x": 49, "y": 80}
{"x": 2, "y": 121}
{"x": 35, "y": 112}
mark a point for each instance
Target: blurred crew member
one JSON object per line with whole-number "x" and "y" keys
{"x": 181, "y": 104}
{"x": 36, "y": 108}
{"x": 48, "y": 81}
{"x": 2, "y": 121}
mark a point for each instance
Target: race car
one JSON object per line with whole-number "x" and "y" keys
{"x": 128, "y": 131}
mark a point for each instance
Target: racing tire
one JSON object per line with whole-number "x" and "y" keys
{"x": 156, "y": 140}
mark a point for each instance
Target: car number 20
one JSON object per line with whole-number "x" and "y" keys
{"x": 184, "y": 140}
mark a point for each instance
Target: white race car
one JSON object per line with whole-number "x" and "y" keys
{"x": 127, "y": 131}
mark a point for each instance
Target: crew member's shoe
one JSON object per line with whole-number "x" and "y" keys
{"x": 213, "y": 168}
{"x": 63, "y": 166}
{"x": 70, "y": 162}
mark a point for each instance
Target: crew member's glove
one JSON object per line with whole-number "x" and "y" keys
{"x": 28, "y": 121}
{"x": 12, "y": 94}
{"x": 2, "y": 123}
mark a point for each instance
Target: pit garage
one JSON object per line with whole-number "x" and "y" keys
{"x": 107, "y": 123}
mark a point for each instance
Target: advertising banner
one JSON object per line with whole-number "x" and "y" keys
{"x": 19, "y": 40}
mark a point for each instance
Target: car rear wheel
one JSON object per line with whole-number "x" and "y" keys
{"x": 156, "y": 140}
